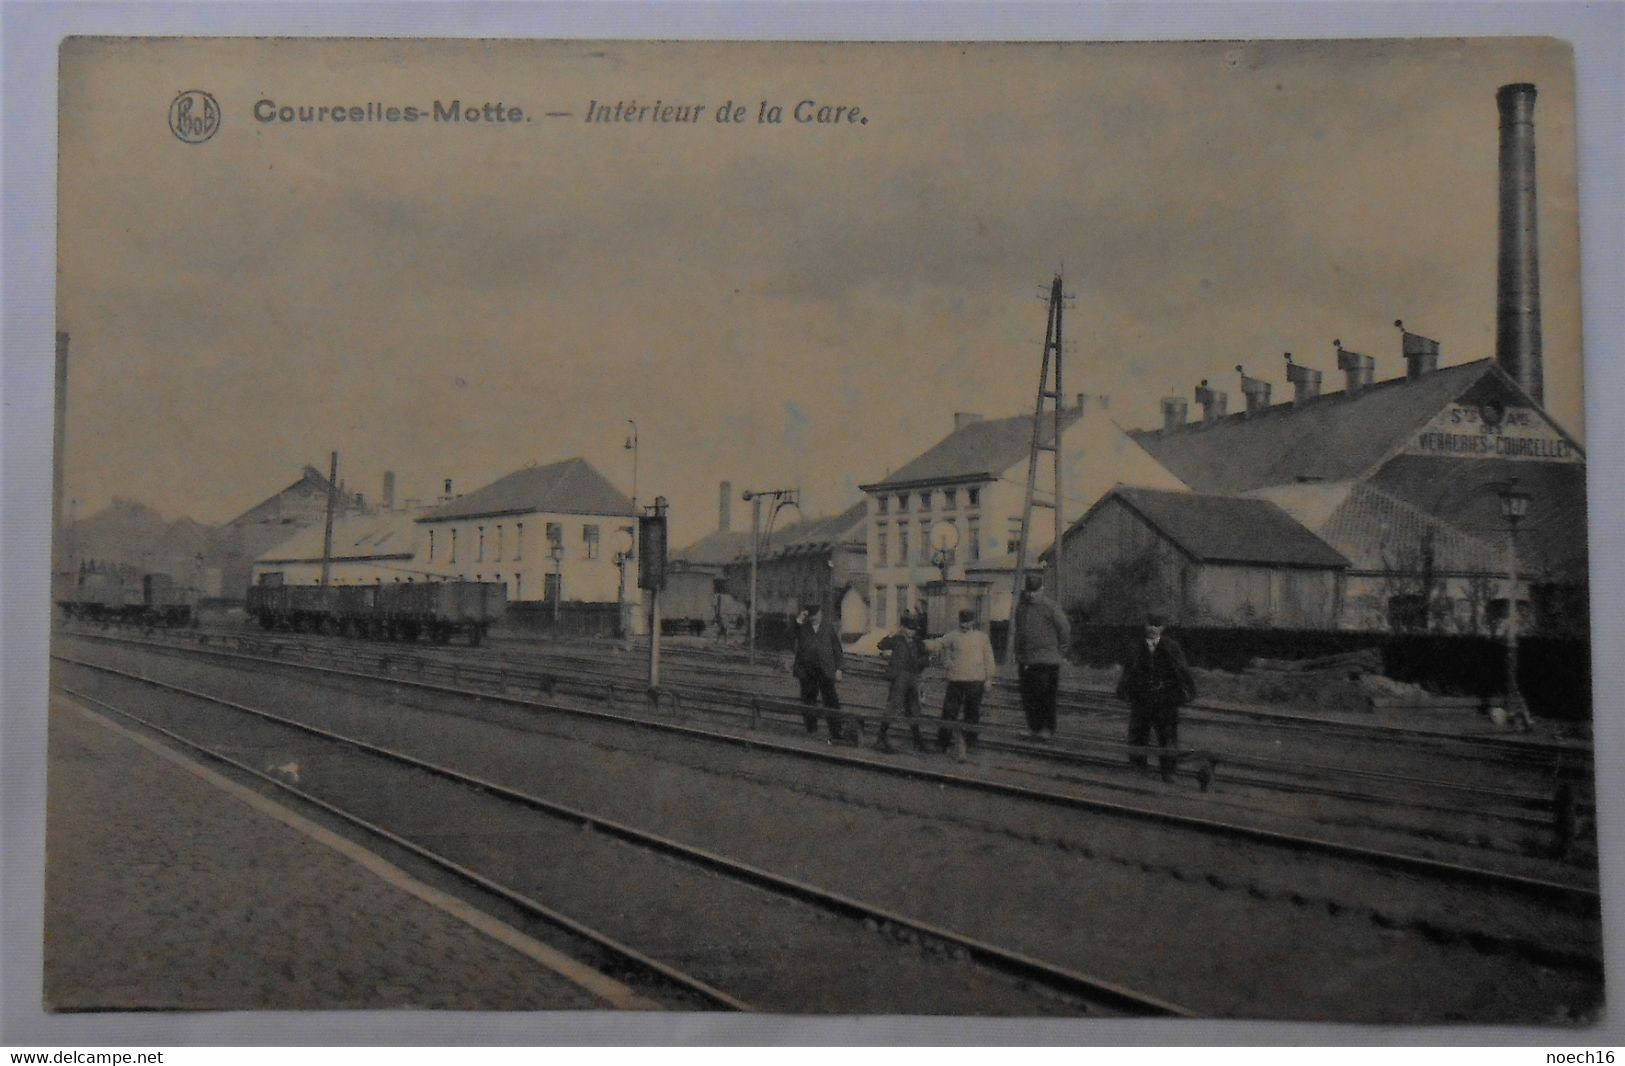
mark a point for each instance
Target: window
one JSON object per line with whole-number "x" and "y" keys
{"x": 973, "y": 496}
{"x": 925, "y": 500}
{"x": 519, "y": 586}
{"x": 519, "y": 541}
{"x": 950, "y": 499}
{"x": 550, "y": 586}
{"x": 555, "y": 535}
{"x": 902, "y": 544}
{"x": 454, "y": 544}
{"x": 431, "y": 545}
{"x": 479, "y": 552}
{"x": 499, "y": 542}
{"x": 590, "y": 535}
{"x": 881, "y": 544}
{"x": 881, "y": 504}
{"x": 882, "y": 613}
{"x": 925, "y": 540}
{"x": 902, "y": 503}
{"x": 1012, "y": 541}
{"x": 973, "y": 534}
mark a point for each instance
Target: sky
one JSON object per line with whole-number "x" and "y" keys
{"x": 792, "y": 304}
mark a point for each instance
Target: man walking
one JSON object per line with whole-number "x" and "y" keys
{"x": 968, "y": 656}
{"x": 1156, "y": 682}
{"x": 1042, "y": 637}
{"x": 905, "y": 662}
{"x": 818, "y": 667}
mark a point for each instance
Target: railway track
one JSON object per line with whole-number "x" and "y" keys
{"x": 366, "y": 785}
{"x": 1538, "y": 809}
{"x": 598, "y": 701}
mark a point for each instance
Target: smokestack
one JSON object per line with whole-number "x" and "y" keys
{"x": 1257, "y": 391}
{"x": 1356, "y": 367}
{"x": 1214, "y": 403}
{"x": 1517, "y": 288}
{"x": 725, "y": 507}
{"x": 60, "y": 443}
{"x": 1173, "y": 413}
{"x": 964, "y": 418}
{"x": 389, "y": 490}
{"x": 1305, "y": 381}
{"x": 1421, "y": 353}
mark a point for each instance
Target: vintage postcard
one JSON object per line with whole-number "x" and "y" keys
{"x": 1080, "y": 530}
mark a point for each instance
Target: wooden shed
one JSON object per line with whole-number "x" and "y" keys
{"x": 1203, "y": 560}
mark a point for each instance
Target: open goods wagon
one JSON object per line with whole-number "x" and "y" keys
{"x": 438, "y": 610}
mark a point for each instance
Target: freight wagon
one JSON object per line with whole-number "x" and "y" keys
{"x": 110, "y": 595}
{"x": 438, "y": 610}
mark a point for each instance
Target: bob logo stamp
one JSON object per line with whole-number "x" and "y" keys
{"x": 194, "y": 116}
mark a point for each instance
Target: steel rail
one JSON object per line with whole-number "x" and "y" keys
{"x": 625, "y": 954}
{"x": 1584, "y": 899}
{"x": 1012, "y": 963}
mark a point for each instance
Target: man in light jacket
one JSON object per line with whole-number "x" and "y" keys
{"x": 968, "y": 656}
{"x": 1042, "y": 637}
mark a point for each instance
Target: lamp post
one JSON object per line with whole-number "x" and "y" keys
{"x": 1514, "y": 507}
{"x": 782, "y": 498}
{"x": 632, "y": 446}
{"x": 557, "y": 554}
{"x": 622, "y": 557}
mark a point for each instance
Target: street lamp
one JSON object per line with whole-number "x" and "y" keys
{"x": 557, "y": 554}
{"x": 1514, "y": 508}
{"x": 632, "y": 446}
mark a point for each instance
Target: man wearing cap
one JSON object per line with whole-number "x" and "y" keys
{"x": 905, "y": 662}
{"x": 968, "y": 656}
{"x": 818, "y": 667}
{"x": 1156, "y": 682}
{"x": 1042, "y": 636}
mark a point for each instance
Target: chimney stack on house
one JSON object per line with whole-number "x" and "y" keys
{"x": 964, "y": 418}
{"x": 725, "y": 507}
{"x": 1421, "y": 353}
{"x": 1256, "y": 390}
{"x": 1305, "y": 381}
{"x": 446, "y": 495}
{"x": 389, "y": 490}
{"x": 1517, "y": 283}
{"x": 1357, "y": 368}
{"x": 1215, "y": 404}
{"x": 1173, "y": 413}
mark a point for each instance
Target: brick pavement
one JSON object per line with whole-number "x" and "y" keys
{"x": 165, "y": 892}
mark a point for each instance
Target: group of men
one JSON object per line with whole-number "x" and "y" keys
{"x": 1155, "y": 681}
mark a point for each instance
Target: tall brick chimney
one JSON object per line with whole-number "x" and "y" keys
{"x": 1517, "y": 285}
{"x": 389, "y": 490}
{"x": 725, "y": 507}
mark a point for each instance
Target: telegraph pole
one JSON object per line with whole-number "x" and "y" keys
{"x": 781, "y": 498}
{"x": 327, "y": 530}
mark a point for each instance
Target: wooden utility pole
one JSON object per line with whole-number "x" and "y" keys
{"x": 327, "y": 531}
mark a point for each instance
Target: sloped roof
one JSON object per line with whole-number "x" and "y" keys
{"x": 1379, "y": 532}
{"x": 572, "y": 486}
{"x": 716, "y": 548}
{"x": 385, "y": 535}
{"x": 1333, "y": 438}
{"x": 986, "y": 448}
{"x": 311, "y": 482}
{"x": 1228, "y": 529}
{"x": 823, "y": 532}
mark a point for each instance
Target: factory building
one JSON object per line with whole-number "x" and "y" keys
{"x": 247, "y": 537}
{"x": 696, "y": 586}
{"x": 1402, "y": 478}
{"x": 558, "y": 532}
{"x": 942, "y": 530}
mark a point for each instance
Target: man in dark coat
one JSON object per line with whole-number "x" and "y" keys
{"x": 818, "y": 667}
{"x": 905, "y": 661}
{"x": 1043, "y": 635}
{"x": 1156, "y": 682}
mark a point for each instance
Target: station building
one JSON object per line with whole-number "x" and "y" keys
{"x": 559, "y": 532}
{"x": 821, "y": 560}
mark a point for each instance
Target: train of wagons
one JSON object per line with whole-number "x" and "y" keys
{"x": 109, "y": 595}
{"x": 436, "y": 610}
